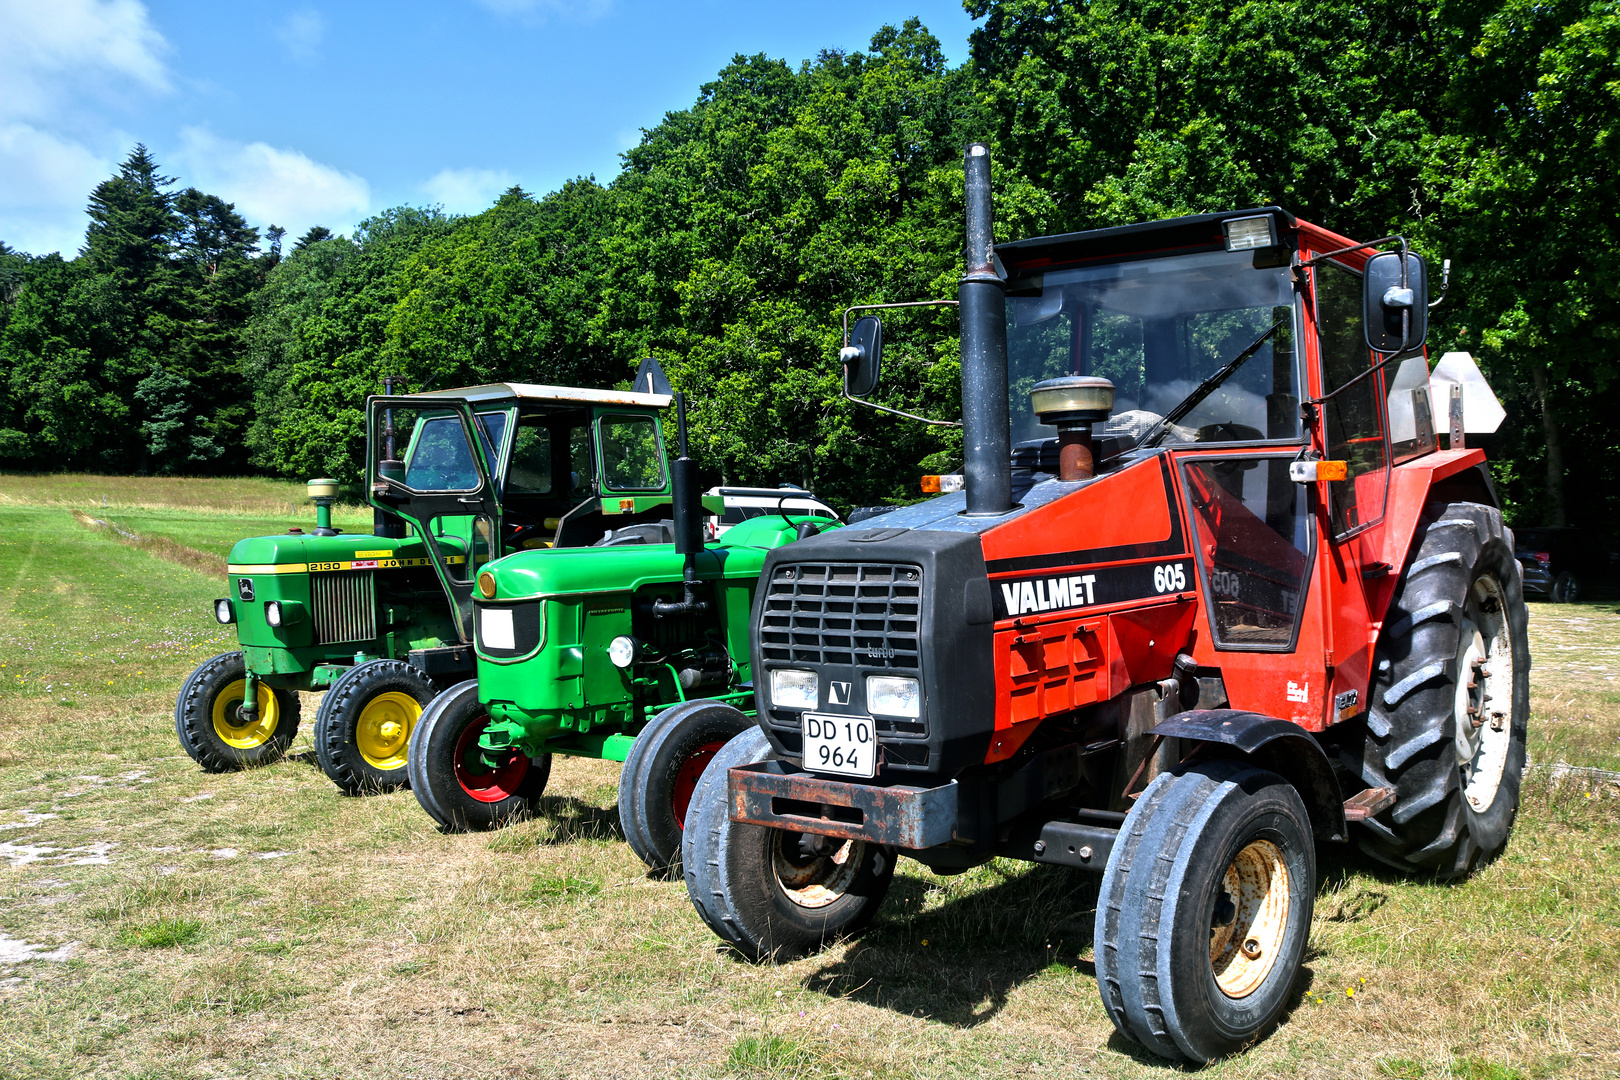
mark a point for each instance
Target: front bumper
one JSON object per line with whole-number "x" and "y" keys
{"x": 776, "y": 795}
{"x": 1537, "y": 578}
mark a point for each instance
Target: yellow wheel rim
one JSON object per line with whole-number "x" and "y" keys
{"x": 1244, "y": 950}
{"x": 383, "y": 731}
{"x": 229, "y": 725}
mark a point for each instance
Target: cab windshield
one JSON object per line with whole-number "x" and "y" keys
{"x": 439, "y": 458}
{"x": 1157, "y": 328}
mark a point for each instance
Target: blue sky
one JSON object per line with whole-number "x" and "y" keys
{"x": 307, "y": 113}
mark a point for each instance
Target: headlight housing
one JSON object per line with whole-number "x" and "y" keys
{"x": 792, "y": 688}
{"x": 889, "y": 695}
{"x": 223, "y": 612}
{"x": 622, "y": 651}
{"x": 279, "y": 613}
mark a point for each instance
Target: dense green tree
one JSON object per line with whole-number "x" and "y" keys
{"x": 1528, "y": 174}
{"x": 128, "y": 357}
{"x": 318, "y": 343}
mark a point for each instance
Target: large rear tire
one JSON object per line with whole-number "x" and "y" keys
{"x": 1205, "y": 910}
{"x": 1449, "y": 700}
{"x": 450, "y": 779}
{"x": 364, "y": 725}
{"x": 211, "y": 728}
{"x": 774, "y": 894}
{"x": 662, "y": 771}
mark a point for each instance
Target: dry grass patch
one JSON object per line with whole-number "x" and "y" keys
{"x": 311, "y": 934}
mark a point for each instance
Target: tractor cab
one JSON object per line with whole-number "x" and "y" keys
{"x": 485, "y": 471}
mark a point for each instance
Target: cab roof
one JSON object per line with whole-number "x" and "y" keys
{"x": 492, "y": 392}
{"x": 1171, "y": 236}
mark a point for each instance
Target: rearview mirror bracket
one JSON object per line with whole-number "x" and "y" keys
{"x": 862, "y": 353}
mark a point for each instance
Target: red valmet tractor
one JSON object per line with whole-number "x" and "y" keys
{"x": 1211, "y": 594}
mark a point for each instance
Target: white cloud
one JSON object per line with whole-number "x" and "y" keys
{"x": 301, "y": 33}
{"x": 52, "y": 54}
{"x": 44, "y": 182}
{"x": 538, "y": 10}
{"x": 467, "y": 191}
{"x": 61, "y": 64}
{"x": 270, "y": 185}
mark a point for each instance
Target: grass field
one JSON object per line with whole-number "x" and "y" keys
{"x": 157, "y": 922}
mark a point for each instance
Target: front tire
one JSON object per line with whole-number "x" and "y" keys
{"x": 364, "y": 725}
{"x": 774, "y": 894}
{"x": 1205, "y": 910}
{"x": 662, "y": 771}
{"x": 210, "y": 726}
{"x": 450, "y": 779}
{"x": 1449, "y": 700}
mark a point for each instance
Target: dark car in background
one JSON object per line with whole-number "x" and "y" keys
{"x": 1563, "y": 565}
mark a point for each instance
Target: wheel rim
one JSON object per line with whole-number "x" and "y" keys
{"x": 229, "y": 725}
{"x": 382, "y": 732}
{"x": 1252, "y": 905}
{"x": 1484, "y": 703}
{"x": 686, "y": 779}
{"x": 483, "y": 783}
{"x": 815, "y": 880}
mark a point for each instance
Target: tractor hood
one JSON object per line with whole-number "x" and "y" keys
{"x": 291, "y": 553}
{"x": 551, "y": 572}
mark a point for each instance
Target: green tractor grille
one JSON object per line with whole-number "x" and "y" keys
{"x": 344, "y": 606}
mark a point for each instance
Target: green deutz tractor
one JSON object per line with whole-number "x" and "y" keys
{"x": 382, "y": 621}
{"x": 632, "y": 654}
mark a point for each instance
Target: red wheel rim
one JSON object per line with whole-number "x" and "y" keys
{"x": 687, "y": 777}
{"x": 487, "y": 785}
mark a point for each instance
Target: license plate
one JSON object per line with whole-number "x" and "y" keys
{"x": 840, "y": 744}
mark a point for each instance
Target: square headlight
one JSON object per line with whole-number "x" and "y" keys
{"x": 794, "y": 689}
{"x": 223, "y": 612}
{"x": 888, "y": 695}
{"x": 1248, "y": 233}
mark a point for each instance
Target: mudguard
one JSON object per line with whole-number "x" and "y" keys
{"x": 1283, "y": 747}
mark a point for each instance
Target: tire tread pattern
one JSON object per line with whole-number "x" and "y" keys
{"x": 1411, "y": 723}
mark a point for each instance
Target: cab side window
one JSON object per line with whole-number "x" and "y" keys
{"x": 631, "y": 456}
{"x": 530, "y": 471}
{"x": 1352, "y": 421}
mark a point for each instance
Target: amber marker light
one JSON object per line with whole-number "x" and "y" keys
{"x": 486, "y": 585}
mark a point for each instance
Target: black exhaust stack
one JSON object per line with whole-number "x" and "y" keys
{"x": 986, "y": 441}
{"x": 688, "y": 507}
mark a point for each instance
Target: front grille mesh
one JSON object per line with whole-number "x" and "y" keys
{"x": 345, "y": 606}
{"x": 843, "y": 613}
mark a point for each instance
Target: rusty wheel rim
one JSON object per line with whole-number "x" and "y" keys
{"x": 815, "y": 881}
{"x": 1250, "y": 918}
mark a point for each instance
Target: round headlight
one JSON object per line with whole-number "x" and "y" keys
{"x": 486, "y": 585}
{"x": 222, "y": 611}
{"x": 272, "y": 613}
{"x": 622, "y": 651}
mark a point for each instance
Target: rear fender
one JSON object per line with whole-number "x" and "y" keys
{"x": 1278, "y": 745}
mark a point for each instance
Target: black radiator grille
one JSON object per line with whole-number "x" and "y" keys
{"x": 850, "y": 614}
{"x": 344, "y": 606}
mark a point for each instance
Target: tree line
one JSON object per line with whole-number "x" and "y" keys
{"x": 182, "y": 340}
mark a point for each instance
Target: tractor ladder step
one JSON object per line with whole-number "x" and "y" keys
{"x": 1364, "y": 804}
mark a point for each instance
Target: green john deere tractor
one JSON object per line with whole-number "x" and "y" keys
{"x": 382, "y": 621}
{"x": 631, "y": 654}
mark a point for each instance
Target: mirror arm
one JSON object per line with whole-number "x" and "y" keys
{"x": 895, "y": 412}
{"x": 885, "y": 408}
{"x": 882, "y": 307}
{"x": 1445, "y": 283}
{"x": 1314, "y": 259}
{"x": 1381, "y": 365}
